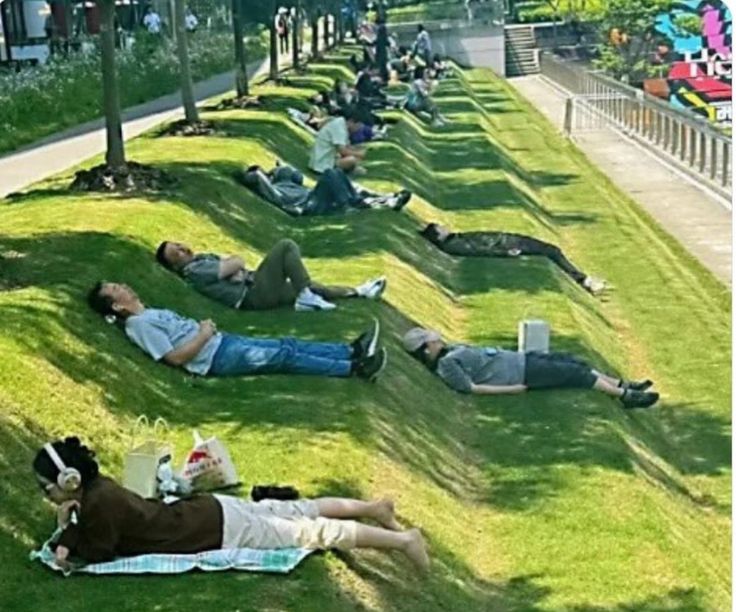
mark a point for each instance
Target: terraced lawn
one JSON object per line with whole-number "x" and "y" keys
{"x": 547, "y": 501}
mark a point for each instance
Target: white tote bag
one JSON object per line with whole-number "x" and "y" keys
{"x": 208, "y": 465}
{"x": 144, "y": 457}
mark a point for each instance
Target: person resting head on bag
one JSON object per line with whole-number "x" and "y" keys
{"x": 100, "y": 520}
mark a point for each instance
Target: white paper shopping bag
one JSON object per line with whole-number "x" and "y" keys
{"x": 208, "y": 465}
{"x": 144, "y": 457}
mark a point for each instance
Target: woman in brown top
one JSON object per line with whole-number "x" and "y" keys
{"x": 101, "y": 520}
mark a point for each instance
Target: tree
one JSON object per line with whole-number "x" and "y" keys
{"x": 115, "y": 153}
{"x": 295, "y": 34}
{"x": 185, "y": 72}
{"x": 273, "y": 50}
{"x": 241, "y": 70}
{"x": 629, "y": 37}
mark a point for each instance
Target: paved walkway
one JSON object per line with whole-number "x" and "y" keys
{"x": 63, "y": 150}
{"x": 699, "y": 219}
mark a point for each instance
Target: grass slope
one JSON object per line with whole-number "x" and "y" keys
{"x": 548, "y": 501}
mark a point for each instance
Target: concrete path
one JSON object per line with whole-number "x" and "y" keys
{"x": 698, "y": 218}
{"x": 65, "y": 149}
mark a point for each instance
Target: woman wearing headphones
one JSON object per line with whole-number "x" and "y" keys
{"x": 102, "y": 520}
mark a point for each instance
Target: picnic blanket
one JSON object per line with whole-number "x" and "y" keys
{"x": 280, "y": 561}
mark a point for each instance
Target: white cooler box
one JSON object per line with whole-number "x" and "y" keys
{"x": 533, "y": 336}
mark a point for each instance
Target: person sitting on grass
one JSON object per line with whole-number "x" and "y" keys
{"x": 333, "y": 193}
{"x": 200, "y": 349}
{"x": 420, "y": 101}
{"x": 332, "y": 148}
{"x": 101, "y": 521}
{"x": 495, "y": 371}
{"x": 281, "y": 279}
{"x": 506, "y": 244}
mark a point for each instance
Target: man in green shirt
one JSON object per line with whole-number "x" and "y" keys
{"x": 281, "y": 279}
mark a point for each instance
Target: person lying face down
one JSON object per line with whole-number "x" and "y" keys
{"x": 333, "y": 193}
{"x": 506, "y": 244}
{"x": 281, "y": 279}
{"x": 201, "y": 349}
{"x": 102, "y": 520}
{"x": 495, "y": 371}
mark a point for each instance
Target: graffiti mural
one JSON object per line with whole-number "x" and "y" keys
{"x": 700, "y": 74}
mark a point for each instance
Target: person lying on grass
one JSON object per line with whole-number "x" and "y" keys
{"x": 505, "y": 244}
{"x": 200, "y": 349}
{"x": 333, "y": 193}
{"x": 281, "y": 279}
{"x": 332, "y": 148}
{"x": 101, "y": 520}
{"x": 493, "y": 371}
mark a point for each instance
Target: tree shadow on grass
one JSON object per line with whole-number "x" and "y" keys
{"x": 675, "y": 600}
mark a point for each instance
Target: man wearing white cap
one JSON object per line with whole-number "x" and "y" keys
{"x": 494, "y": 371}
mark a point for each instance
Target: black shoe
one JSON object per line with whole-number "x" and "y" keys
{"x": 370, "y": 367}
{"x": 637, "y": 385}
{"x": 402, "y": 199}
{"x": 639, "y": 399}
{"x": 365, "y": 345}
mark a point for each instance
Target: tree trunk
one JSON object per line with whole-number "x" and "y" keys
{"x": 241, "y": 70}
{"x": 115, "y": 154}
{"x": 326, "y": 31}
{"x": 315, "y": 34}
{"x": 340, "y": 29}
{"x": 273, "y": 50}
{"x": 185, "y": 71}
{"x": 295, "y": 26}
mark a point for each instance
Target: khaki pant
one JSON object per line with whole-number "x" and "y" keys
{"x": 281, "y": 524}
{"x": 279, "y": 278}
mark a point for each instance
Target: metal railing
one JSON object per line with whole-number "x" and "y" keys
{"x": 679, "y": 137}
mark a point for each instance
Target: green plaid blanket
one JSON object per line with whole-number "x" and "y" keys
{"x": 245, "y": 559}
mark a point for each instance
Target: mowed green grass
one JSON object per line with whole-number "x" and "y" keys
{"x": 547, "y": 501}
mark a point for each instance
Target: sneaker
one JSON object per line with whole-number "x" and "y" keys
{"x": 402, "y": 199}
{"x": 366, "y": 344}
{"x": 372, "y": 289}
{"x": 594, "y": 285}
{"x": 639, "y": 399}
{"x": 308, "y": 300}
{"x": 370, "y": 367}
{"x": 640, "y": 385}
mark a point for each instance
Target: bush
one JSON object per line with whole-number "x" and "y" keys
{"x": 67, "y": 91}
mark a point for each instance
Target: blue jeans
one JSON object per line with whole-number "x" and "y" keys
{"x": 333, "y": 193}
{"x": 241, "y": 355}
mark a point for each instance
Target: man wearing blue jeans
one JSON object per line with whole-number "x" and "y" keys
{"x": 333, "y": 193}
{"x": 200, "y": 349}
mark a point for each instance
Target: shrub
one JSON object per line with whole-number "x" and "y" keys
{"x": 67, "y": 91}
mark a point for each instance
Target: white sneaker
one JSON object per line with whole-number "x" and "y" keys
{"x": 372, "y": 289}
{"x": 308, "y": 300}
{"x": 594, "y": 285}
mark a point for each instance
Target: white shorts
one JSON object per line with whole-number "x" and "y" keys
{"x": 272, "y": 523}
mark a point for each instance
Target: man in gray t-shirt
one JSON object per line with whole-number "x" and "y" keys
{"x": 280, "y": 279}
{"x": 200, "y": 349}
{"x": 492, "y": 371}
